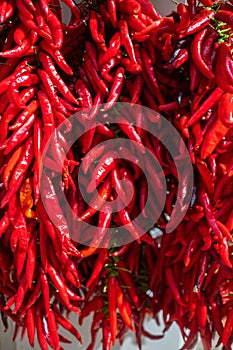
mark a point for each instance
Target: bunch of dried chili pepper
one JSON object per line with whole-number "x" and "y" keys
{"x": 115, "y": 51}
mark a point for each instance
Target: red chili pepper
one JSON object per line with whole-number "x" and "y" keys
{"x": 96, "y": 204}
{"x": 20, "y": 294}
{"x": 94, "y": 28}
{"x": 92, "y": 53}
{"x": 92, "y": 156}
{"x": 126, "y": 41}
{"x": 30, "y": 320}
{"x": 206, "y": 176}
{"x": 100, "y": 262}
{"x": 220, "y": 127}
{"x": 4, "y": 223}
{"x": 66, "y": 324}
{"x": 34, "y": 296}
{"x": 149, "y": 69}
{"x": 11, "y": 111}
{"x": 107, "y": 335}
{"x": 20, "y": 171}
{"x": 113, "y": 50}
{"x": 225, "y": 59}
{"x": 37, "y": 132}
{"x": 222, "y": 78}
{"x": 112, "y": 305}
{"x": 52, "y": 329}
{"x": 196, "y": 51}
{"x": 207, "y": 3}
{"x": 18, "y": 51}
{"x": 157, "y": 27}
{"x": 133, "y": 68}
{"x": 21, "y": 69}
{"x": 191, "y": 250}
{"x": 40, "y": 332}
{"x": 124, "y": 308}
{"x": 216, "y": 317}
{"x": 227, "y": 330}
{"x": 97, "y": 320}
{"x": 195, "y": 76}
{"x": 131, "y": 7}
{"x": 99, "y": 99}
{"x": 3, "y": 10}
{"x": 31, "y": 260}
{"x": 27, "y": 112}
{"x": 115, "y": 89}
{"x": 170, "y": 278}
{"x": 20, "y": 34}
{"x": 55, "y": 77}
{"x": 106, "y": 163}
{"x": 96, "y": 303}
{"x": 51, "y": 91}
{"x": 201, "y": 20}
{"x": 135, "y": 23}
{"x": 57, "y": 56}
{"x": 48, "y": 119}
{"x": 178, "y": 59}
{"x": 126, "y": 221}
{"x": 56, "y": 29}
{"x": 210, "y": 101}
{"x": 135, "y": 89}
{"x": 19, "y": 135}
{"x": 209, "y": 49}
{"x": 94, "y": 74}
{"x": 113, "y": 12}
{"x": 105, "y": 72}
{"x": 84, "y": 94}
{"x": 62, "y": 232}
{"x": 59, "y": 284}
{"x": 184, "y": 17}
{"x": 11, "y": 165}
{"x": 205, "y": 202}
{"x": 20, "y": 81}
{"x": 70, "y": 266}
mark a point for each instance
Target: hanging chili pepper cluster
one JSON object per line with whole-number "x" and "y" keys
{"x": 115, "y": 50}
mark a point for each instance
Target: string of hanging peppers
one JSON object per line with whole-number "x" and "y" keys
{"x": 115, "y": 51}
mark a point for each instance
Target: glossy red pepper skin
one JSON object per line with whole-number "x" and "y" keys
{"x": 115, "y": 92}
{"x": 124, "y": 308}
{"x": 97, "y": 203}
{"x": 113, "y": 50}
{"x": 220, "y": 126}
{"x": 112, "y": 306}
{"x": 20, "y": 170}
{"x": 196, "y": 50}
{"x": 30, "y": 317}
{"x": 94, "y": 27}
{"x": 172, "y": 284}
{"x": 227, "y": 331}
{"x": 125, "y": 39}
{"x": 49, "y": 67}
{"x": 59, "y": 284}
{"x": 51, "y": 91}
{"x": 201, "y": 20}
{"x": 20, "y": 81}
{"x": 31, "y": 260}
{"x": 107, "y": 336}
{"x": 211, "y": 100}
{"x": 106, "y": 164}
{"x": 66, "y": 324}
